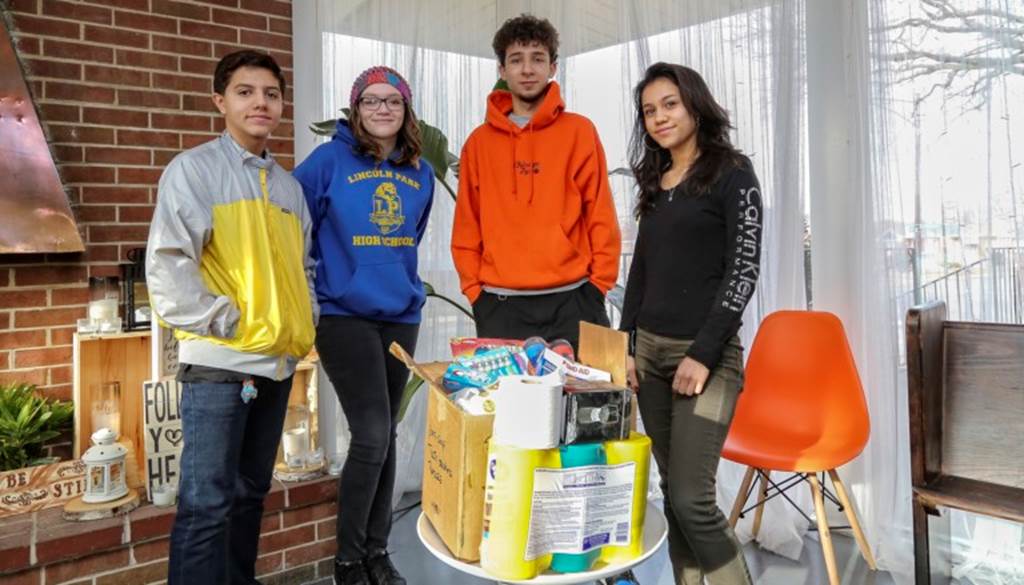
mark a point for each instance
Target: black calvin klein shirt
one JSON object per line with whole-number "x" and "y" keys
{"x": 695, "y": 264}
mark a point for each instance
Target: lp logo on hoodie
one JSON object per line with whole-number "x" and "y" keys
{"x": 387, "y": 208}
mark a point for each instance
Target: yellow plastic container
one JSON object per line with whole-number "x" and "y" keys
{"x": 508, "y": 498}
{"x": 635, "y": 449}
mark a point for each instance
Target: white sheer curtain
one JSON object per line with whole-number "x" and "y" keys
{"x": 819, "y": 96}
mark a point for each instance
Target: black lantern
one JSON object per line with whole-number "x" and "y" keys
{"x": 135, "y": 297}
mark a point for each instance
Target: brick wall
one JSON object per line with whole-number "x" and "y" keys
{"x": 297, "y": 543}
{"x": 121, "y": 87}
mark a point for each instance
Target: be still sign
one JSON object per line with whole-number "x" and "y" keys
{"x": 164, "y": 439}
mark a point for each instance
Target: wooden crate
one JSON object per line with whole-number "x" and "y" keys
{"x": 304, "y": 392}
{"x": 120, "y": 357}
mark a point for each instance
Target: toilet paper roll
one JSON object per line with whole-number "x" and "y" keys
{"x": 529, "y": 412}
{"x": 636, "y": 449}
{"x": 508, "y": 497}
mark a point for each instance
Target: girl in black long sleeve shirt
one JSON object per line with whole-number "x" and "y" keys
{"x": 694, "y": 269}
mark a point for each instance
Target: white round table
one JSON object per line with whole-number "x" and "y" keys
{"x": 654, "y": 533}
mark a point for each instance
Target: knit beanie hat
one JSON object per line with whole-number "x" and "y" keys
{"x": 379, "y": 74}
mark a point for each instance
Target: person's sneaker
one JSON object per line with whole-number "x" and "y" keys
{"x": 351, "y": 573}
{"x": 624, "y": 578}
{"x": 382, "y": 571}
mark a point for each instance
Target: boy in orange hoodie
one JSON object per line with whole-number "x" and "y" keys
{"x": 535, "y": 240}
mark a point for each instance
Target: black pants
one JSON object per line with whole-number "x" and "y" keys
{"x": 551, "y": 316}
{"x": 369, "y": 383}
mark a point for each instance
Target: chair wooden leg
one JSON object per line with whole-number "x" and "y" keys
{"x": 741, "y": 497}
{"x": 762, "y": 495}
{"x": 823, "y": 533}
{"x": 851, "y": 516}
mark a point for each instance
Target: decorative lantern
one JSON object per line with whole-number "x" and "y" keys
{"x": 134, "y": 295}
{"x": 104, "y": 468}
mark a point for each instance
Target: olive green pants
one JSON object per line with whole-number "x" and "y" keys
{"x": 688, "y": 433}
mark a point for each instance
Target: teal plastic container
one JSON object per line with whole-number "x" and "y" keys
{"x": 578, "y": 456}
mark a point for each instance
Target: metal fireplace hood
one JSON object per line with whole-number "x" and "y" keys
{"x": 34, "y": 212}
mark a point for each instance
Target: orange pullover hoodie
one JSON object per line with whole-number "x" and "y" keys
{"x": 534, "y": 210}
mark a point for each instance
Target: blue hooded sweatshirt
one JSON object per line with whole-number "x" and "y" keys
{"x": 368, "y": 220}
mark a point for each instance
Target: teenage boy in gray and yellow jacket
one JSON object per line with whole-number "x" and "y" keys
{"x": 228, "y": 268}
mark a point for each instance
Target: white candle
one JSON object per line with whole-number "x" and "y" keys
{"x": 295, "y": 443}
{"x": 103, "y": 310}
{"x": 164, "y": 495}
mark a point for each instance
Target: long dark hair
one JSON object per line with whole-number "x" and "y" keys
{"x": 409, "y": 144}
{"x": 717, "y": 154}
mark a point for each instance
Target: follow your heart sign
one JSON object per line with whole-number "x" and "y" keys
{"x": 164, "y": 438}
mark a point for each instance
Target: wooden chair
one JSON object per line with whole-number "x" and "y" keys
{"x": 966, "y": 405}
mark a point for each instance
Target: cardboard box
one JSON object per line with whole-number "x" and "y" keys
{"x": 456, "y": 443}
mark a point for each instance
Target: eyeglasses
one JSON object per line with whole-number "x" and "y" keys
{"x": 372, "y": 103}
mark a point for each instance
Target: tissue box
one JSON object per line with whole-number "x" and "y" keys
{"x": 595, "y": 412}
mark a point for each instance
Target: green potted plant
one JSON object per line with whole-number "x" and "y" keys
{"x": 27, "y": 422}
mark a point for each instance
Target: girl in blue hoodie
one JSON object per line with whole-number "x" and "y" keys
{"x": 369, "y": 194}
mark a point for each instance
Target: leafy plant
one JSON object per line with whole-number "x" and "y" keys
{"x": 27, "y": 422}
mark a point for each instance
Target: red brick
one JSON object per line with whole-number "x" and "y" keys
{"x": 115, "y": 117}
{"x": 168, "y": 81}
{"x": 30, "y": 577}
{"x": 69, "y": 296}
{"x": 116, "y": 36}
{"x": 60, "y": 375}
{"x": 59, "y": 90}
{"x": 104, "y": 270}
{"x": 116, "y": 76}
{"x": 268, "y": 7}
{"x": 25, "y": 6}
{"x": 284, "y": 145}
{"x": 135, "y": 214}
{"x": 80, "y": 134}
{"x": 62, "y": 393}
{"x": 287, "y": 538}
{"x": 27, "y": 45}
{"x": 82, "y": 52}
{"x": 200, "y": 66}
{"x": 87, "y": 174}
{"x": 146, "y": 60}
{"x": 204, "y": 30}
{"x": 33, "y": 358}
{"x": 152, "y": 550}
{"x": 308, "y": 514}
{"x": 198, "y": 103}
{"x": 163, "y": 157}
{"x": 98, "y": 563}
{"x": 15, "y": 540}
{"x": 180, "y": 122}
{"x": 281, "y": 25}
{"x": 42, "y": 275}
{"x": 271, "y": 523}
{"x": 140, "y": 176}
{"x": 57, "y": 540}
{"x": 144, "y": 138}
{"x": 181, "y": 9}
{"x": 48, "y": 317}
{"x": 312, "y": 492}
{"x": 5, "y": 362}
{"x": 149, "y": 522}
{"x": 66, "y": 153}
{"x": 327, "y": 529}
{"x": 18, "y": 299}
{"x": 50, "y": 27}
{"x": 192, "y": 140}
{"x": 240, "y": 19}
{"x": 137, "y": 5}
{"x": 60, "y": 113}
{"x": 218, "y": 124}
{"x": 5, "y": 320}
{"x": 269, "y": 563}
{"x": 140, "y": 575}
{"x": 150, "y": 22}
{"x": 101, "y": 253}
{"x": 180, "y": 46}
{"x": 275, "y": 497}
{"x": 96, "y": 213}
{"x": 148, "y": 99}
{"x": 62, "y": 336}
{"x": 36, "y": 376}
{"x": 310, "y": 553}
{"x": 24, "y": 338}
{"x": 118, "y": 233}
{"x": 77, "y": 11}
{"x": 56, "y": 69}
{"x": 286, "y": 162}
{"x": 121, "y": 156}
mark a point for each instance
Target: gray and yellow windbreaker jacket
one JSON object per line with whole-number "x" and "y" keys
{"x": 227, "y": 263}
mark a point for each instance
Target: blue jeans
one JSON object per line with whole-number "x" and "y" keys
{"x": 226, "y": 467}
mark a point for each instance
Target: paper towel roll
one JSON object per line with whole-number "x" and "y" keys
{"x": 529, "y": 412}
{"x": 636, "y": 449}
{"x": 508, "y": 497}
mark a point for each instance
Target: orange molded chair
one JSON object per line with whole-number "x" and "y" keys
{"x": 802, "y": 411}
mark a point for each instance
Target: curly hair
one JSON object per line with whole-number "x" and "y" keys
{"x": 525, "y": 28}
{"x": 717, "y": 154}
